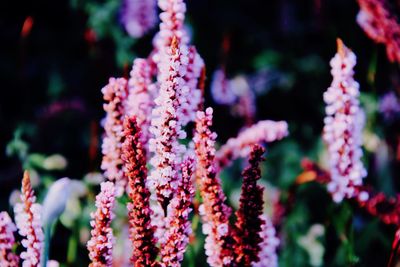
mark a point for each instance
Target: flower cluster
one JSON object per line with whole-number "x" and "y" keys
{"x": 29, "y": 222}
{"x": 115, "y": 94}
{"x": 263, "y": 131}
{"x": 389, "y": 106}
{"x": 7, "y": 241}
{"x": 139, "y": 16}
{"x": 215, "y": 213}
{"x": 141, "y": 231}
{"x": 101, "y": 243}
{"x": 378, "y": 22}
{"x": 343, "y": 127}
{"x": 268, "y": 255}
{"x": 248, "y": 224}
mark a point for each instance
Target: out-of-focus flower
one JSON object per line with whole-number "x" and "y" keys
{"x": 176, "y": 239}
{"x": 115, "y": 95}
{"x": 139, "y": 16}
{"x": 102, "y": 241}
{"x": 166, "y": 127}
{"x": 268, "y": 256}
{"x": 389, "y": 106}
{"x": 312, "y": 245}
{"x": 140, "y": 229}
{"x": 263, "y": 131}
{"x": 343, "y": 127}
{"x": 14, "y": 197}
{"x": 248, "y": 225}
{"x": 29, "y": 222}
{"x": 94, "y": 178}
{"x": 7, "y": 241}
{"x": 53, "y": 263}
{"x": 123, "y": 249}
{"x": 55, "y": 162}
{"x": 379, "y": 23}
{"x": 55, "y": 200}
{"x": 221, "y": 90}
{"x": 214, "y": 212}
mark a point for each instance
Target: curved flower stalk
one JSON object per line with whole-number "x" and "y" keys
{"x": 176, "y": 237}
{"x": 140, "y": 99}
{"x": 269, "y": 244}
{"x": 214, "y": 212}
{"x": 115, "y": 94}
{"x": 7, "y": 241}
{"x": 166, "y": 128}
{"x": 378, "y": 22}
{"x": 263, "y": 131}
{"x": 139, "y": 16}
{"x": 140, "y": 228}
{"x": 29, "y": 223}
{"x": 221, "y": 90}
{"x": 248, "y": 225}
{"x": 343, "y": 127}
{"x": 102, "y": 241}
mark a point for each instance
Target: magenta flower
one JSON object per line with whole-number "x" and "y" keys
{"x": 139, "y": 16}
{"x": 389, "y": 106}
{"x": 29, "y": 222}
{"x": 7, "y": 241}
{"x": 176, "y": 239}
{"x": 102, "y": 239}
{"x": 343, "y": 127}
{"x": 214, "y": 212}
{"x": 115, "y": 95}
{"x": 263, "y": 131}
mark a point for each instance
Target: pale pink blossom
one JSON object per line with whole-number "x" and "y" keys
{"x": 221, "y": 89}
{"x": 7, "y": 241}
{"x": 139, "y": 16}
{"x": 115, "y": 95}
{"x": 343, "y": 127}
{"x": 268, "y": 255}
{"x": 29, "y": 222}
{"x": 101, "y": 244}
{"x": 240, "y": 146}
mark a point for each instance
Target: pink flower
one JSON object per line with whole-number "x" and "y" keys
{"x": 166, "y": 127}
{"x": 221, "y": 90}
{"x": 389, "y": 106}
{"x": 102, "y": 241}
{"x": 115, "y": 95}
{"x": 267, "y": 256}
{"x": 139, "y": 16}
{"x": 7, "y": 241}
{"x": 376, "y": 19}
{"x": 140, "y": 100}
{"x": 214, "y": 212}
{"x": 29, "y": 222}
{"x": 176, "y": 239}
{"x": 263, "y": 131}
{"x": 343, "y": 127}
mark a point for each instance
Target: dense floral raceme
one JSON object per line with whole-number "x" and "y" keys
{"x": 139, "y": 16}
{"x": 102, "y": 239}
{"x": 141, "y": 96}
{"x": 263, "y": 131}
{"x": 29, "y": 222}
{"x": 268, "y": 254}
{"x": 115, "y": 94}
{"x": 176, "y": 238}
{"x": 7, "y": 241}
{"x": 140, "y": 228}
{"x": 166, "y": 127}
{"x": 248, "y": 225}
{"x": 215, "y": 213}
{"x": 343, "y": 127}
{"x": 380, "y": 24}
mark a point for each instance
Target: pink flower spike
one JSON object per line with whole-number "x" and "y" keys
{"x": 139, "y": 16}
{"x": 343, "y": 127}
{"x": 176, "y": 238}
{"x": 214, "y": 212}
{"x": 7, "y": 241}
{"x": 263, "y": 131}
{"x": 102, "y": 241}
{"x": 115, "y": 95}
{"x": 29, "y": 222}
{"x": 270, "y": 242}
